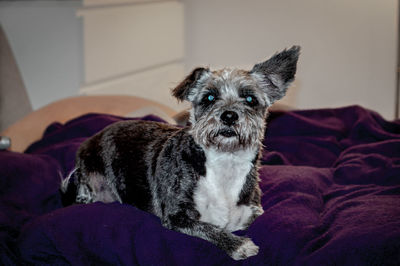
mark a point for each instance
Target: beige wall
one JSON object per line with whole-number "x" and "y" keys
{"x": 348, "y": 46}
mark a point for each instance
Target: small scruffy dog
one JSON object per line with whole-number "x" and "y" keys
{"x": 200, "y": 180}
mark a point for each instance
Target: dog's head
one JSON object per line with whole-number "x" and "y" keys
{"x": 229, "y": 107}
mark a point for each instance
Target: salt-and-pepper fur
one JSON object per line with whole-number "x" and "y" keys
{"x": 200, "y": 180}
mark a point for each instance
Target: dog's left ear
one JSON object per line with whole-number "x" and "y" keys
{"x": 185, "y": 88}
{"x": 278, "y": 72}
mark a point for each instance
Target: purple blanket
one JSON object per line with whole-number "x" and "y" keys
{"x": 331, "y": 194}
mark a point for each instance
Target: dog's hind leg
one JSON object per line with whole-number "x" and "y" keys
{"x": 84, "y": 194}
{"x": 94, "y": 187}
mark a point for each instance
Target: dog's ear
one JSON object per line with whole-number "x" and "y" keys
{"x": 278, "y": 72}
{"x": 185, "y": 88}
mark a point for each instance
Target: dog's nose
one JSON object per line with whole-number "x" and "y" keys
{"x": 229, "y": 118}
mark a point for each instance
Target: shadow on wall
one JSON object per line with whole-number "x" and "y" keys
{"x": 14, "y": 101}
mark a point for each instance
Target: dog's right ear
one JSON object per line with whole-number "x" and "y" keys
{"x": 185, "y": 88}
{"x": 278, "y": 72}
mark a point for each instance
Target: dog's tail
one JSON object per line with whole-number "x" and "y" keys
{"x": 68, "y": 189}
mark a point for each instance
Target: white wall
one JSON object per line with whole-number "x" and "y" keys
{"x": 348, "y": 46}
{"x": 46, "y": 40}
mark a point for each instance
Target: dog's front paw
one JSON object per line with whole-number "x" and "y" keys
{"x": 257, "y": 210}
{"x": 245, "y": 250}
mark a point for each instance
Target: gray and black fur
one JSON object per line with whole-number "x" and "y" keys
{"x": 201, "y": 180}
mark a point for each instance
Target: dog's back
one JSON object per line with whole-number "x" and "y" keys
{"x": 112, "y": 165}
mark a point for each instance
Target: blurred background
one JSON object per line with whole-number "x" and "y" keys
{"x": 144, "y": 47}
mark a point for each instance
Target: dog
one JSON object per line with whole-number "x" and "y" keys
{"x": 201, "y": 180}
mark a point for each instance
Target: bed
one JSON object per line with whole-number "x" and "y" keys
{"x": 330, "y": 180}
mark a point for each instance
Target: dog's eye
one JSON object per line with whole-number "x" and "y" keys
{"x": 250, "y": 100}
{"x": 208, "y": 99}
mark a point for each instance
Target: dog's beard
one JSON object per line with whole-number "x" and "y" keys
{"x": 246, "y": 134}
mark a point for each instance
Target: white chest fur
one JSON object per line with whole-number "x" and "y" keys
{"x": 216, "y": 194}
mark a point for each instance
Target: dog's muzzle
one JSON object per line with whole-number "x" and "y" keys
{"x": 228, "y": 118}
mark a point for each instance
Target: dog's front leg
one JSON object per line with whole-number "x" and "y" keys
{"x": 250, "y": 196}
{"x": 256, "y": 210}
{"x": 236, "y": 247}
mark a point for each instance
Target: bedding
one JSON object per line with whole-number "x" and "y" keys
{"x": 331, "y": 195}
